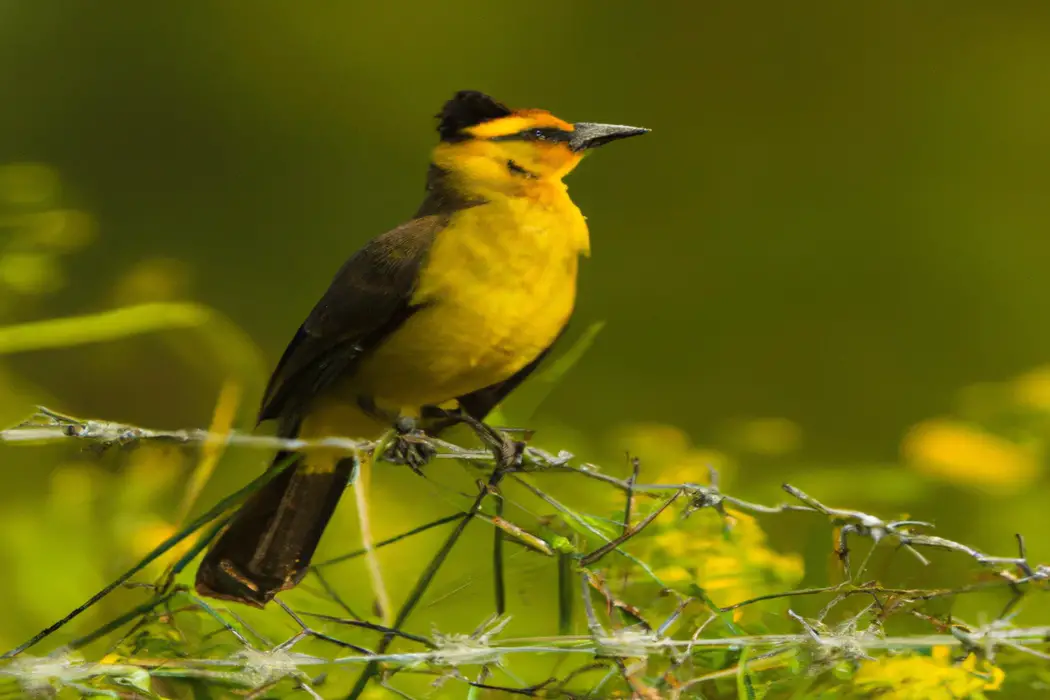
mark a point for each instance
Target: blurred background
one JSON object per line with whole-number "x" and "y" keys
{"x": 827, "y": 263}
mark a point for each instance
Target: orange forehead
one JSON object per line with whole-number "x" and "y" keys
{"x": 518, "y": 121}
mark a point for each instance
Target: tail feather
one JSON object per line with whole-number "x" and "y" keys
{"x": 267, "y": 546}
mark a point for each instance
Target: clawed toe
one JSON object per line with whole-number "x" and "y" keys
{"x": 410, "y": 447}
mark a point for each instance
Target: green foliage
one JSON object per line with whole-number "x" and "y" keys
{"x": 671, "y": 590}
{"x": 686, "y": 576}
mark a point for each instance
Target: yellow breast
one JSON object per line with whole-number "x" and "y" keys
{"x": 497, "y": 288}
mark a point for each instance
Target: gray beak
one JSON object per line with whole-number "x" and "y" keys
{"x": 588, "y": 135}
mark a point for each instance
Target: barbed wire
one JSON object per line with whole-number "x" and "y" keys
{"x": 445, "y": 656}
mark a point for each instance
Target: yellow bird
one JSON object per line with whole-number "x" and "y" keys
{"x": 459, "y": 304}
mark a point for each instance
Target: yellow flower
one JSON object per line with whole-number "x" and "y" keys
{"x": 655, "y": 441}
{"x": 694, "y": 467}
{"x": 728, "y": 558}
{"x": 148, "y": 534}
{"x": 933, "y": 677}
{"x": 732, "y": 567}
{"x": 961, "y": 453}
{"x": 667, "y": 454}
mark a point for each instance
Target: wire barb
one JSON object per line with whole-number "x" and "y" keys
{"x": 592, "y": 562}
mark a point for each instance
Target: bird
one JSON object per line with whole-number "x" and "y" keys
{"x": 445, "y": 314}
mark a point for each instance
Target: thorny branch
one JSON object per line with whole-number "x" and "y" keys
{"x": 446, "y": 655}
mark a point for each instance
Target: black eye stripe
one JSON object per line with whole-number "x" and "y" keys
{"x": 549, "y": 133}
{"x": 518, "y": 170}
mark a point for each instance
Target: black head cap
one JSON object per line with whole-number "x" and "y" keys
{"x": 467, "y": 108}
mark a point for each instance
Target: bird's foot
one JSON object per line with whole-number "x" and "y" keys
{"x": 410, "y": 446}
{"x": 507, "y": 451}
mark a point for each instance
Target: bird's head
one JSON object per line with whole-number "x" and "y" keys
{"x": 495, "y": 147}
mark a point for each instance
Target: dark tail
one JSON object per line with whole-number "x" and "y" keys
{"x": 267, "y": 546}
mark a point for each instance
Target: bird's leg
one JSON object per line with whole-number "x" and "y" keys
{"x": 409, "y": 446}
{"x": 508, "y": 452}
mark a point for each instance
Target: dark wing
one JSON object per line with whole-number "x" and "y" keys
{"x": 368, "y": 299}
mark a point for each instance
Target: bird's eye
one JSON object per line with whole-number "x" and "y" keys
{"x": 540, "y": 136}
